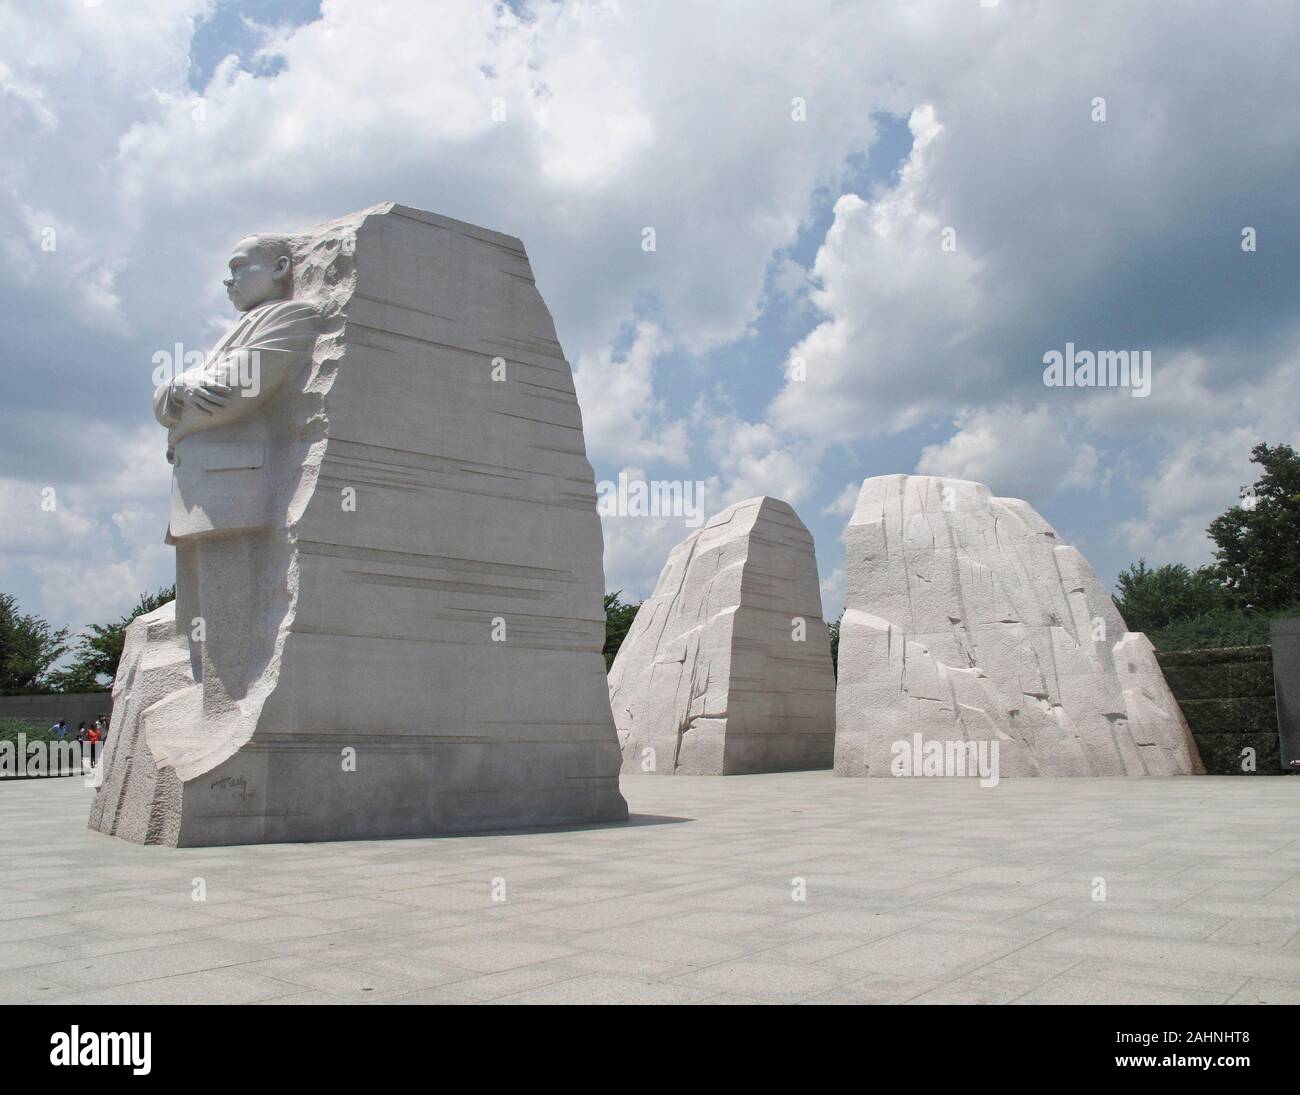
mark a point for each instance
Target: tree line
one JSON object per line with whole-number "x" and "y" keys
{"x": 30, "y": 647}
{"x": 1255, "y": 576}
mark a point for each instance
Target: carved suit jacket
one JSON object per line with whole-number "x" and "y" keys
{"x": 220, "y": 478}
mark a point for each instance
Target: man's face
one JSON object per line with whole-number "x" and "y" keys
{"x": 255, "y": 277}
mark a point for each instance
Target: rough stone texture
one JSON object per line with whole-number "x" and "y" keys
{"x": 710, "y": 676}
{"x": 356, "y": 540}
{"x": 969, "y": 620}
{"x": 136, "y": 799}
{"x": 1286, "y": 676}
{"x": 1227, "y": 697}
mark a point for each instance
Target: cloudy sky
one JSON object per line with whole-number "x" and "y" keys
{"x": 871, "y": 223}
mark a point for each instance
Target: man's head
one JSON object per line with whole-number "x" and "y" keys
{"x": 261, "y": 270}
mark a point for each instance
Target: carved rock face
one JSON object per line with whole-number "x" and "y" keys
{"x": 968, "y": 620}
{"x": 727, "y": 667}
{"x": 403, "y": 621}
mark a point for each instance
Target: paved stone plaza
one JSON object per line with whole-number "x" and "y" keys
{"x": 921, "y": 891}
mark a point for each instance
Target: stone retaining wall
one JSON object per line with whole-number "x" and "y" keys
{"x": 1228, "y": 700}
{"x": 74, "y": 707}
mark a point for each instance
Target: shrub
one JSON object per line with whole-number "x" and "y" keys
{"x": 1224, "y": 627}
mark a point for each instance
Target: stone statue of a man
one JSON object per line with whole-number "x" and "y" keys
{"x": 358, "y": 512}
{"x": 221, "y": 434}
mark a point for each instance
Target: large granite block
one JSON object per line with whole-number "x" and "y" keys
{"x": 727, "y": 667}
{"x": 392, "y": 549}
{"x": 968, "y": 620}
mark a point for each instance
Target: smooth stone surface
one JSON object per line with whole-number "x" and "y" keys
{"x": 915, "y": 890}
{"x": 968, "y": 620}
{"x": 394, "y": 550}
{"x": 727, "y": 667}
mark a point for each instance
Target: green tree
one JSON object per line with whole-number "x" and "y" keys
{"x": 1259, "y": 540}
{"x": 28, "y": 647}
{"x": 1255, "y": 577}
{"x": 1150, "y": 599}
{"x": 99, "y": 649}
{"x": 618, "y": 618}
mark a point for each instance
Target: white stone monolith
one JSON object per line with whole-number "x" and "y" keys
{"x": 968, "y": 621}
{"x": 389, "y": 577}
{"x": 727, "y": 668}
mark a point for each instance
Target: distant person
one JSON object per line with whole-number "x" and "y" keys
{"x": 59, "y": 729}
{"x": 81, "y": 731}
